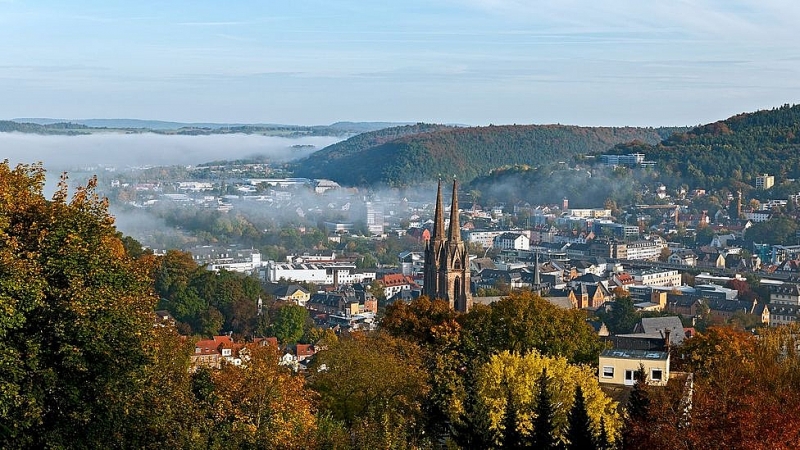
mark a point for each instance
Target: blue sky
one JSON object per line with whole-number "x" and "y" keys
{"x": 610, "y": 62}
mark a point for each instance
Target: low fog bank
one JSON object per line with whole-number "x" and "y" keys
{"x": 120, "y": 150}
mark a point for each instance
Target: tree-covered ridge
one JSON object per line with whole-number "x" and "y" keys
{"x": 327, "y": 163}
{"x": 7, "y": 126}
{"x": 465, "y": 152}
{"x": 737, "y": 149}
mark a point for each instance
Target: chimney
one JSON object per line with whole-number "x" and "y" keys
{"x": 667, "y": 332}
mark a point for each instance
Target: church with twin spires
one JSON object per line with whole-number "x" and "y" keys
{"x": 446, "y": 268}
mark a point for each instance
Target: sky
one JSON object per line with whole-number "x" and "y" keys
{"x": 475, "y": 62}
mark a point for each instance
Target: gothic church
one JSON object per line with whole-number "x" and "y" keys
{"x": 446, "y": 258}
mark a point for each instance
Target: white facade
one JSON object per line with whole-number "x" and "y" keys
{"x": 484, "y": 238}
{"x": 316, "y": 273}
{"x": 657, "y": 277}
{"x": 375, "y": 218}
{"x": 644, "y": 250}
{"x": 589, "y": 213}
{"x": 512, "y": 241}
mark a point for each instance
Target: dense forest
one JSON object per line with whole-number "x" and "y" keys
{"x": 422, "y": 153}
{"x": 729, "y": 152}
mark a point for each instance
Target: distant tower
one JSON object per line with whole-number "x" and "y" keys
{"x": 446, "y": 258}
{"x": 565, "y": 204}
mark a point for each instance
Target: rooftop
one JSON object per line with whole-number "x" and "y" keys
{"x": 634, "y": 354}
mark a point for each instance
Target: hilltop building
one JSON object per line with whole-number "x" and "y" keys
{"x": 446, "y": 269}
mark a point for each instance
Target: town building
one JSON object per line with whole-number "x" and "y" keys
{"x": 618, "y": 366}
{"x": 765, "y": 181}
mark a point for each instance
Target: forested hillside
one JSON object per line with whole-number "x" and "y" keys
{"x": 733, "y": 150}
{"x": 423, "y": 152}
{"x": 7, "y": 126}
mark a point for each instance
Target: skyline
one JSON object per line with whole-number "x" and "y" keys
{"x": 471, "y": 62}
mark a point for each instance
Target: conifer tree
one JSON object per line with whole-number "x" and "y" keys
{"x": 635, "y": 428}
{"x": 543, "y": 429}
{"x": 511, "y": 438}
{"x": 639, "y": 403}
{"x": 579, "y": 433}
{"x": 603, "y": 442}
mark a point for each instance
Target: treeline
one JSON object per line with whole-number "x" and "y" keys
{"x": 731, "y": 151}
{"x": 7, "y": 126}
{"x": 462, "y": 152}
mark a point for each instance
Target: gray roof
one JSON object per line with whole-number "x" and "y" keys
{"x": 634, "y": 354}
{"x": 656, "y": 325}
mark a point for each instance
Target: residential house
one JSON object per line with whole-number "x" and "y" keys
{"x": 725, "y": 310}
{"x": 785, "y": 294}
{"x": 584, "y": 295}
{"x": 683, "y": 258}
{"x": 783, "y": 314}
{"x": 618, "y": 366}
{"x": 290, "y": 293}
{"x": 213, "y": 352}
{"x": 513, "y": 241}
{"x": 395, "y": 282}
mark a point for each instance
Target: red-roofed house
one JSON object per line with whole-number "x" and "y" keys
{"x": 212, "y": 352}
{"x": 396, "y": 282}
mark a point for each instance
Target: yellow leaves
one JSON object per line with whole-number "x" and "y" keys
{"x": 519, "y": 373}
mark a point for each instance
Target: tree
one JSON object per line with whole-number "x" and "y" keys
{"x": 289, "y": 323}
{"x": 603, "y": 442}
{"x": 621, "y": 317}
{"x": 512, "y": 437}
{"x": 543, "y": 427}
{"x": 259, "y": 404}
{"x": 579, "y": 434}
{"x": 522, "y": 376}
{"x": 524, "y": 321}
{"x": 376, "y": 385}
{"x": 637, "y": 423}
{"x": 76, "y": 333}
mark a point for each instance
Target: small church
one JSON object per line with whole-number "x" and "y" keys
{"x": 446, "y": 268}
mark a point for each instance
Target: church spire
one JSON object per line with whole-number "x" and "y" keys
{"x": 454, "y": 234}
{"x": 438, "y": 216}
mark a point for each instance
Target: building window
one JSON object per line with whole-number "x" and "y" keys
{"x": 656, "y": 375}
{"x": 608, "y": 372}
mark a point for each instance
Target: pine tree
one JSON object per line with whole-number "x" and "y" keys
{"x": 543, "y": 430}
{"x": 511, "y": 438}
{"x": 603, "y": 442}
{"x": 579, "y": 433}
{"x": 638, "y": 407}
{"x": 639, "y": 402}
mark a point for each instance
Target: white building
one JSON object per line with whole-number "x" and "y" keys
{"x": 483, "y": 237}
{"x": 375, "y": 218}
{"x": 644, "y": 250}
{"x": 657, "y": 277}
{"x": 231, "y": 259}
{"x": 316, "y": 273}
{"x": 512, "y": 241}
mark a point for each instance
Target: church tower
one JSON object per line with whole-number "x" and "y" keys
{"x": 446, "y": 258}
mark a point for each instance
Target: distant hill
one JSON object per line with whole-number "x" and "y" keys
{"x": 418, "y": 153}
{"x": 337, "y": 128}
{"x": 63, "y": 128}
{"x": 730, "y": 151}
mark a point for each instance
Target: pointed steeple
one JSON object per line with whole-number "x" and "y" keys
{"x": 438, "y": 216}
{"x": 454, "y": 234}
